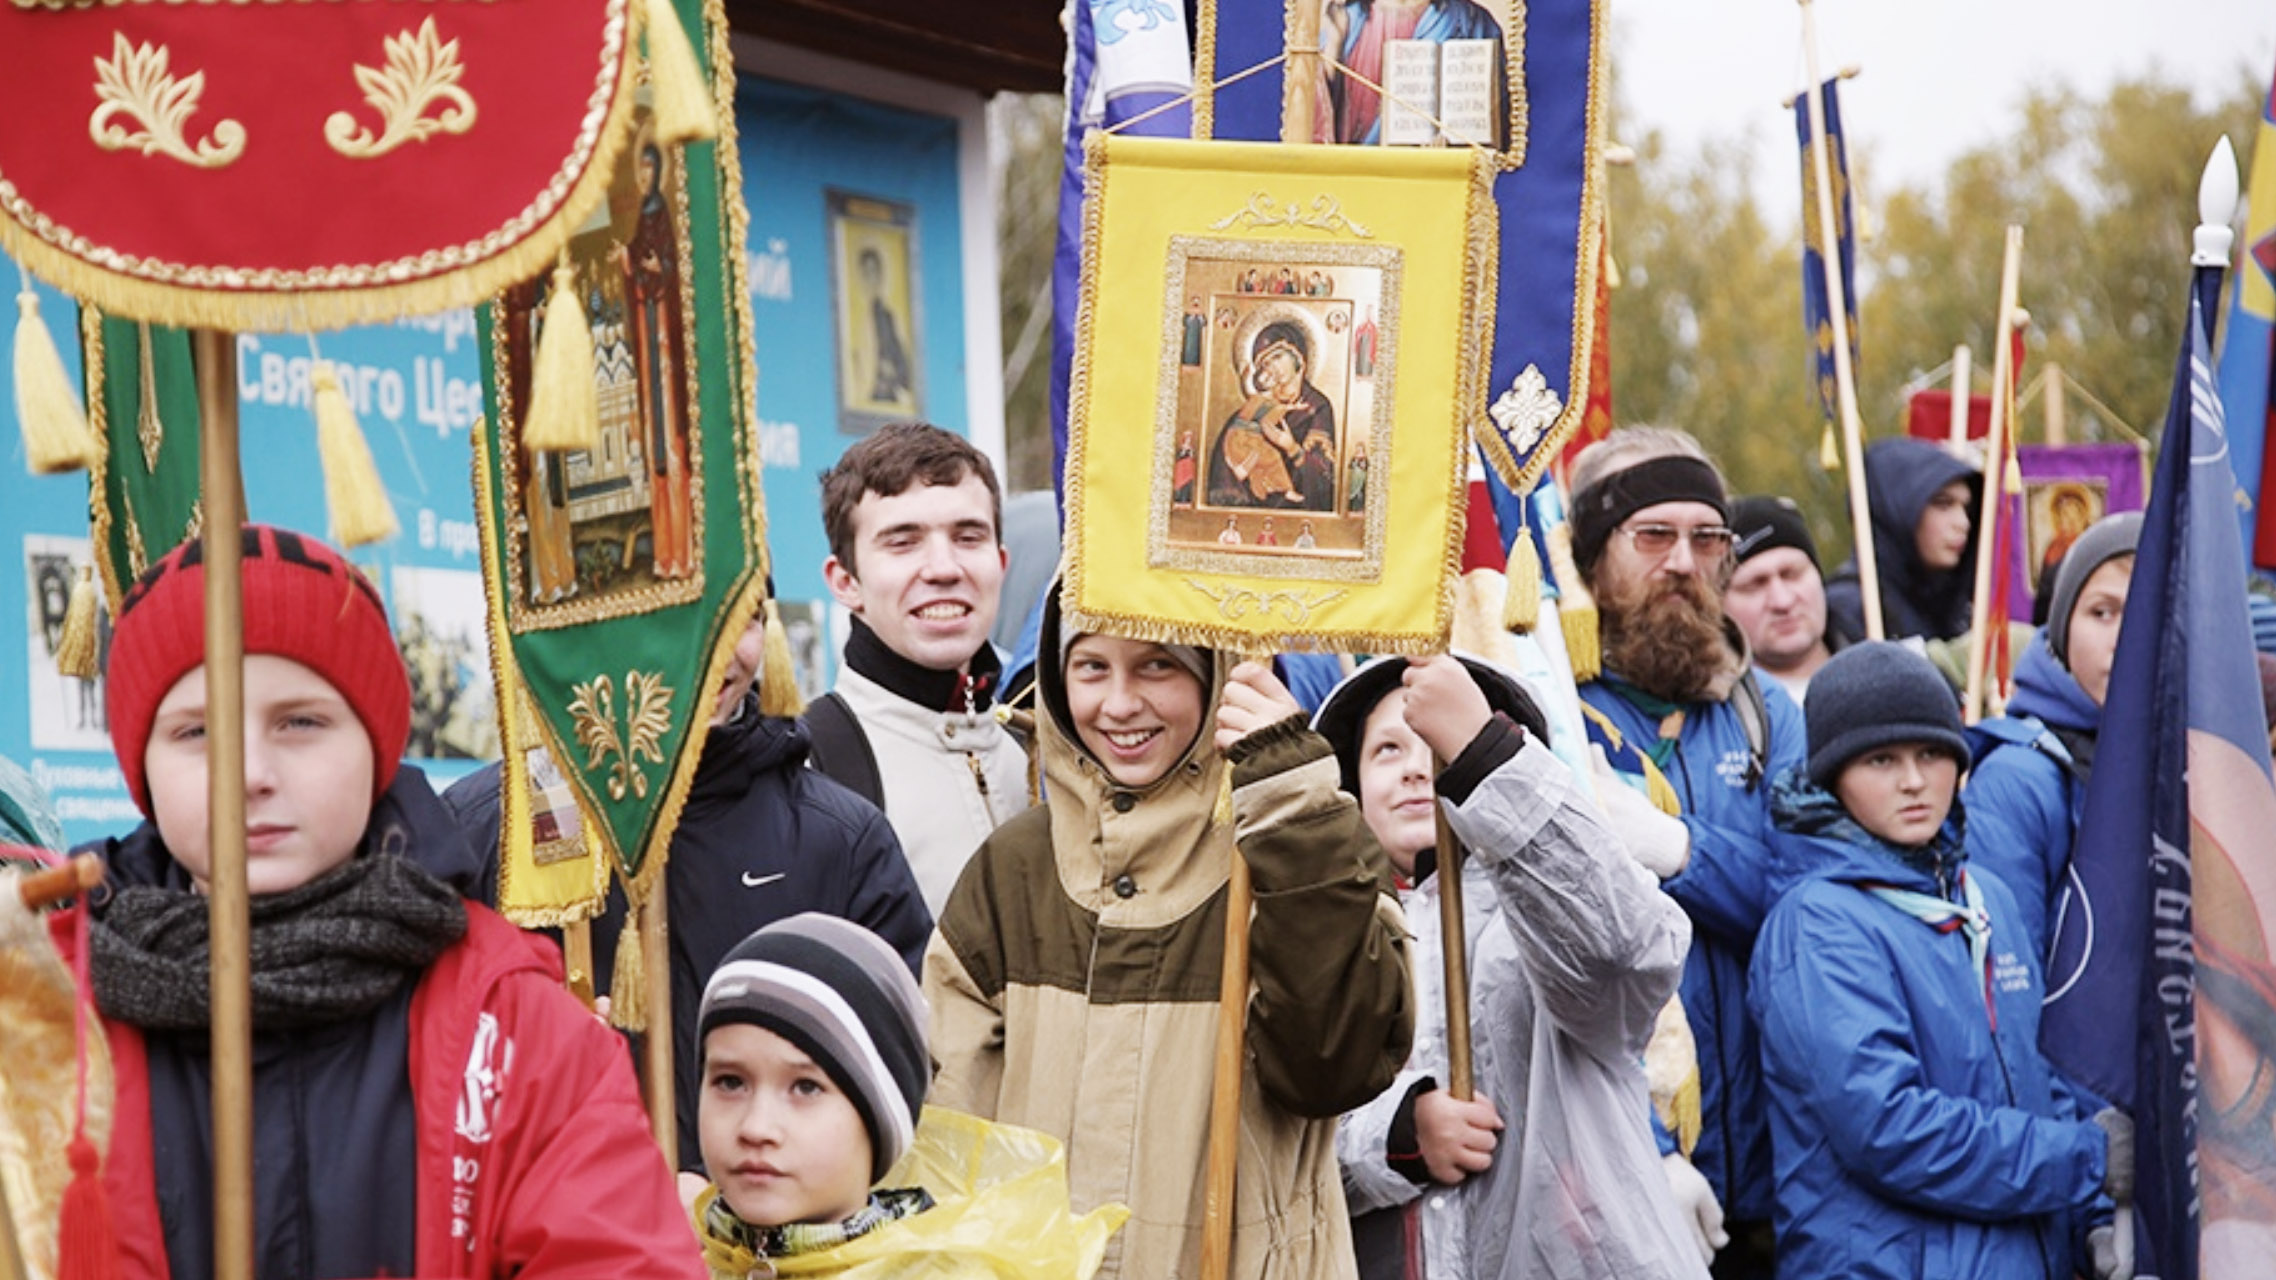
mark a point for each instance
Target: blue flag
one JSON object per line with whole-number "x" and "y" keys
{"x": 1817, "y": 311}
{"x": 2173, "y": 841}
{"x": 1549, "y": 200}
{"x": 1125, "y": 58}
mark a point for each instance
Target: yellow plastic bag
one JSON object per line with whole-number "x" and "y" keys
{"x": 1001, "y": 1210}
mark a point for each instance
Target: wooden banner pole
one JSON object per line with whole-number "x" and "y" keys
{"x": 1963, "y": 387}
{"x": 1454, "y": 948}
{"x": 656, "y": 964}
{"x": 1837, "y": 311}
{"x": 1225, "y": 1091}
{"x": 229, "y": 899}
{"x": 1297, "y": 104}
{"x": 1995, "y": 472}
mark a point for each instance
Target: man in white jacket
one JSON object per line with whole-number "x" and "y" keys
{"x": 915, "y": 523}
{"x": 1551, "y": 1169}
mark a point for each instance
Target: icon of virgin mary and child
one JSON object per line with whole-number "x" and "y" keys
{"x": 1278, "y": 450}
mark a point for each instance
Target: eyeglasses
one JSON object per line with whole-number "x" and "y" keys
{"x": 1709, "y": 542}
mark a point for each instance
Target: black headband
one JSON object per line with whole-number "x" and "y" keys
{"x": 1600, "y": 508}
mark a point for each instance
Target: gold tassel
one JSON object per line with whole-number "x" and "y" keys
{"x": 628, "y": 980}
{"x": 682, "y": 100}
{"x": 1521, "y": 606}
{"x": 1576, "y": 608}
{"x": 778, "y": 678}
{"x": 361, "y": 513}
{"x": 564, "y": 405}
{"x": 54, "y": 423}
{"x": 1829, "y": 451}
{"x": 76, "y": 652}
{"x": 2011, "y": 479}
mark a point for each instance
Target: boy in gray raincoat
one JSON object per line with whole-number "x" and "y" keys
{"x": 1551, "y": 1170}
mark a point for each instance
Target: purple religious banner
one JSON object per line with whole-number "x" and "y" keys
{"x": 2067, "y": 487}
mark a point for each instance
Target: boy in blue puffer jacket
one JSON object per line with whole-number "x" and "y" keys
{"x": 2028, "y": 787}
{"x": 1916, "y": 1130}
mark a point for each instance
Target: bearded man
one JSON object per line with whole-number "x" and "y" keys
{"x": 1651, "y": 534}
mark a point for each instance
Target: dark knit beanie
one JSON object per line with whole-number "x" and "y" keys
{"x": 1764, "y": 522}
{"x": 1342, "y": 718}
{"x": 845, "y": 998}
{"x": 303, "y": 601}
{"x": 1876, "y": 694}
{"x": 2104, "y": 540}
{"x": 1600, "y": 508}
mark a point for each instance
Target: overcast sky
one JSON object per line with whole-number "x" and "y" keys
{"x": 1938, "y": 76}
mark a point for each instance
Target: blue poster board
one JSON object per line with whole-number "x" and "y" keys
{"x": 415, "y": 388}
{"x": 825, "y": 175}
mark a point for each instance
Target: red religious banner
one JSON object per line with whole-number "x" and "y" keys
{"x": 295, "y": 166}
{"x": 1928, "y": 415}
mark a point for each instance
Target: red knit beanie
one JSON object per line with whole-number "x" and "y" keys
{"x": 303, "y": 601}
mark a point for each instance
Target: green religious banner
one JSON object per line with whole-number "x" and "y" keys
{"x": 621, "y": 572}
{"x": 142, "y": 401}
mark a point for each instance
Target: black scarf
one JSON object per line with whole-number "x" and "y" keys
{"x": 969, "y": 690}
{"x": 333, "y": 949}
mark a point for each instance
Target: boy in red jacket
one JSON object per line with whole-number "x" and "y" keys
{"x": 427, "y": 1099}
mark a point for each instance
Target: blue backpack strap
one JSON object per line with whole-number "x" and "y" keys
{"x": 2022, "y": 731}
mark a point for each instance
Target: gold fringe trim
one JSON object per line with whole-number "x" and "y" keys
{"x": 1521, "y": 607}
{"x": 1519, "y": 475}
{"x": 752, "y": 508}
{"x": 505, "y": 680}
{"x": 1234, "y": 640}
{"x": 361, "y": 513}
{"x": 681, "y": 103}
{"x": 76, "y": 653}
{"x": 299, "y": 307}
{"x": 1204, "y": 73}
{"x": 628, "y": 980}
{"x": 778, "y": 675}
{"x": 56, "y": 435}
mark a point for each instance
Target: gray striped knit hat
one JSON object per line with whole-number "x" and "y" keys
{"x": 845, "y": 998}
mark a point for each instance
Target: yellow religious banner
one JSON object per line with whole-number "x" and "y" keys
{"x": 1277, "y": 355}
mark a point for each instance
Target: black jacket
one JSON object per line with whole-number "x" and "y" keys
{"x": 761, "y": 838}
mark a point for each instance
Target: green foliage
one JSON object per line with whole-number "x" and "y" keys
{"x": 1707, "y": 326}
{"x": 1707, "y": 334}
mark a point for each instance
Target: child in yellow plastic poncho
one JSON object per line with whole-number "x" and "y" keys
{"x": 814, "y": 1073}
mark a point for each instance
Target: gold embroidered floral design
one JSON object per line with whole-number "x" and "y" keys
{"x": 422, "y": 72}
{"x": 1295, "y": 607}
{"x": 648, "y": 715}
{"x": 1324, "y": 214}
{"x": 136, "y": 84}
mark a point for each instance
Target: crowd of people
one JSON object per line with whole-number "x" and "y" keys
{"x": 923, "y": 1019}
